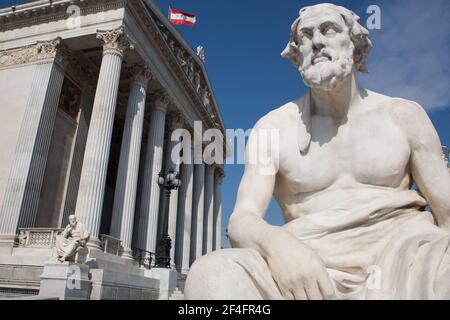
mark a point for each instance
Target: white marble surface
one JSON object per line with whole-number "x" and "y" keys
{"x": 341, "y": 172}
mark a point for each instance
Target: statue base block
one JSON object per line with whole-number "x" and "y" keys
{"x": 65, "y": 281}
{"x": 168, "y": 279}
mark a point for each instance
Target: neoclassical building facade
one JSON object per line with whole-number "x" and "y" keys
{"x": 90, "y": 94}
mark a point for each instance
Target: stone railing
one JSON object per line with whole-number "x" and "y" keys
{"x": 38, "y": 237}
{"x": 111, "y": 245}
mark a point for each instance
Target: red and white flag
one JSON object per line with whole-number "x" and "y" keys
{"x": 181, "y": 18}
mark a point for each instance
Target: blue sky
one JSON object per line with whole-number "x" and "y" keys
{"x": 243, "y": 40}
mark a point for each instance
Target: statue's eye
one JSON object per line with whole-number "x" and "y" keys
{"x": 329, "y": 31}
{"x": 306, "y": 34}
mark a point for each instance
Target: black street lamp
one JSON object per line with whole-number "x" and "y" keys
{"x": 167, "y": 184}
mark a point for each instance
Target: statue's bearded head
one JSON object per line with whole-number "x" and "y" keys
{"x": 327, "y": 44}
{"x": 72, "y": 220}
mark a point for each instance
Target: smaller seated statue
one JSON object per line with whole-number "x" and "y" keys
{"x": 72, "y": 241}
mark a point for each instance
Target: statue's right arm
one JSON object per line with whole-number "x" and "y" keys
{"x": 247, "y": 228}
{"x": 66, "y": 231}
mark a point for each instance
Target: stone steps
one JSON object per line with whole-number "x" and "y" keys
{"x": 177, "y": 295}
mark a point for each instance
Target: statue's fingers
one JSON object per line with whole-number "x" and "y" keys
{"x": 326, "y": 287}
{"x": 287, "y": 294}
{"x": 300, "y": 294}
{"x": 312, "y": 291}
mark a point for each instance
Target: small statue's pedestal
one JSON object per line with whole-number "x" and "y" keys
{"x": 6, "y": 244}
{"x": 67, "y": 280}
{"x": 168, "y": 279}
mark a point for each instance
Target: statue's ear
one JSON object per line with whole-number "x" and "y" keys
{"x": 291, "y": 53}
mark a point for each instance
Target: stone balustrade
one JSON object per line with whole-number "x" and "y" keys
{"x": 38, "y": 237}
{"x": 111, "y": 245}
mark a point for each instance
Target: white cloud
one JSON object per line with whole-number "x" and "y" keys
{"x": 411, "y": 55}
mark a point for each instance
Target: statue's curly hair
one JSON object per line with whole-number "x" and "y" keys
{"x": 358, "y": 34}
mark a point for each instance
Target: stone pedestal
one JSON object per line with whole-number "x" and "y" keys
{"x": 65, "y": 281}
{"x": 168, "y": 279}
{"x": 6, "y": 244}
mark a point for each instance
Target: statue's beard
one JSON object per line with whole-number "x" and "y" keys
{"x": 327, "y": 75}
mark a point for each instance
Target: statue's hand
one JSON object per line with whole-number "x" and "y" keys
{"x": 299, "y": 272}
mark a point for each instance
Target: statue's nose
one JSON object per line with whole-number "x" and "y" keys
{"x": 317, "y": 47}
{"x": 317, "y": 41}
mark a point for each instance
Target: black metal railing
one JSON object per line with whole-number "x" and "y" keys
{"x": 144, "y": 258}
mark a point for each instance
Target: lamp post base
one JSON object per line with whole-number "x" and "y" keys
{"x": 163, "y": 247}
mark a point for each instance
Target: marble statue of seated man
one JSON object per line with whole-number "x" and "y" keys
{"x": 72, "y": 240}
{"x": 342, "y": 171}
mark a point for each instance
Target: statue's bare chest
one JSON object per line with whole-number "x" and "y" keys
{"x": 368, "y": 149}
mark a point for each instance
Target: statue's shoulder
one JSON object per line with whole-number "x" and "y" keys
{"x": 394, "y": 106}
{"x": 406, "y": 114}
{"x": 280, "y": 117}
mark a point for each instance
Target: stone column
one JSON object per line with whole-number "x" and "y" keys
{"x": 147, "y": 225}
{"x": 184, "y": 219}
{"x": 209, "y": 212}
{"x": 217, "y": 236}
{"x": 127, "y": 175}
{"x": 24, "y": 184}
{"x": 96, "y": 156}
{"x": 198, "y": 205}
{"x": 76, "y": 164}
{"x": 172, "y": 161}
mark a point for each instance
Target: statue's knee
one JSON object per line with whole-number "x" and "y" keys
{"x": 207, "y": 264}
{"x": 204, "y": 276}
{"x": 217, "y": 265}
{"x": 220, "y": 275}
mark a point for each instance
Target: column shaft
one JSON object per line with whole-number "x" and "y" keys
{"x": 23, "y": 189}
{"x": 96, "y": 157}
{"x": 77, "y": 158}
{"x": 127, "y": 176}
{"x": 149, "y": 205}
{"x": 217, "y": 237}
{"x": 209, "y": 210}
{"x": 184, "y": 219}
{"x": 198, "y": 205}
{"x": 172, "y": 162}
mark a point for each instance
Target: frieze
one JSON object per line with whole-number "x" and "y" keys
{"x": 42, "y": 50}
{"x": 57, "y": 10}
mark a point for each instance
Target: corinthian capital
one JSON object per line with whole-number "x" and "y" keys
{"x": 140, "y": 73}
{"x": 219, "y": 174}
{"x": 160, "y": 100}
{"x": 115, "y": 41}
{"x": 52, "y": 49}
{"x": 175, "y": 120}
